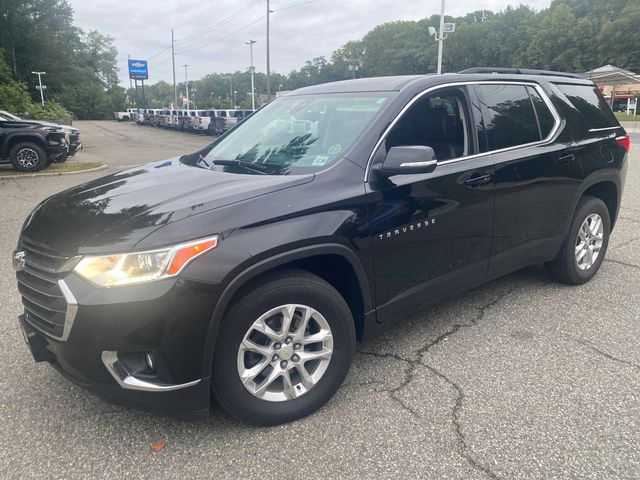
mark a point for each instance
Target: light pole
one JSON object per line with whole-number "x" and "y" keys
{"x": 186, "y": 82}
{"x": 40, "y": 85}
{"x": 441, "y": 37}
{"x": 252, "y": 69}
{"x": 235, "y": 92}
{"x": 268, "y": 56}
{"x": 230, "y": 87}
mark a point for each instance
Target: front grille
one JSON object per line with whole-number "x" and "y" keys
{"x": 38, "y": 282}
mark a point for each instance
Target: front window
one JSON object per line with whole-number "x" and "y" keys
{"x": 297, "y": 134}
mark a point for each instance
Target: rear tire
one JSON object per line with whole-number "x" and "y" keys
{"x": 292, "y": 393}
{"x": 28, "y": 157}
{"x": 586, "y": 244}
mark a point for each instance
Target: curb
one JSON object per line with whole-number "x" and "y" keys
{"x": 54, "y": 174}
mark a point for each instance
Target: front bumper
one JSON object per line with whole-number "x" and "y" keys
{"x": 112, "y": 328}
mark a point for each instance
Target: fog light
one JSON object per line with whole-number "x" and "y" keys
{"x": 149, "y": 359}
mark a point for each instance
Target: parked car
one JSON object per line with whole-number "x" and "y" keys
{"x": 251, "y": 267}
{"x": 31, "y": 145}
{"x": 72, "y": 136}
{"x": 126, "y": 116}
{"x": 207, "y": 122}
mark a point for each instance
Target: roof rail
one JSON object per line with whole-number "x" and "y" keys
{"x": 519, "y": 71}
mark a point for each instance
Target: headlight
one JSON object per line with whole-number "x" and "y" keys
{"x": 52, "y": 129}
{"x": 141, "y": 267}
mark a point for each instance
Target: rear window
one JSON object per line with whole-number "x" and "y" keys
{"x": 510, "y": 119}
{"x": 591, "y": 104}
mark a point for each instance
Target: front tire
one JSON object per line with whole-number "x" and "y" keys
{"x": 284, "y": 349}
{"x": 28, "y": 157}
{"x": 586, "y": 244}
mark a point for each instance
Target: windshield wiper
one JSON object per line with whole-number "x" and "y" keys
{"x": 252, "y": 167}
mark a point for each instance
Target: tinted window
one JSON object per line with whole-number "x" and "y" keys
{"x": 591, "y": 104}
{"x": 509, "y": 116}
{"x": 436, "y": 121}
{"x": 545, "y": 117}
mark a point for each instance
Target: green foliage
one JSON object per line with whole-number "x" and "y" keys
{"x": 14, "y": 98}
{"x": 570, "y": 35}
{"x": 81, "y": 67}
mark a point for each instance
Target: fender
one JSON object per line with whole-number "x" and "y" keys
{"x": 599, "y": 176}
{"x": 268, "y": 264}
{"x": 28, "y": 136}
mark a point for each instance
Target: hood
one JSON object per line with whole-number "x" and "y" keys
{"x": 44, "y": 123}
{"x": 111, "y": 214}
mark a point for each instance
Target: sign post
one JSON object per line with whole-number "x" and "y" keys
{"x": 138, "y": 70}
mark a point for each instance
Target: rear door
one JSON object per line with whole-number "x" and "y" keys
{"x": 537, "y": 176}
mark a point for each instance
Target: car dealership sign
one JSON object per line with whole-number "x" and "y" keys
{"x": 138, "y": 70}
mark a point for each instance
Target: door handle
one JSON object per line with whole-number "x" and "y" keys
{"x": 475, "y": 181}
{"x": 566, "y": 159}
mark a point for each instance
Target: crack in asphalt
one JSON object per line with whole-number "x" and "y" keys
{"x": 410, "y": 372}
{"x": 629, "y": 219}
{"x": 632, "y": 265}
{"x": 603, "y": 353}
{"x": 623, "y": 244}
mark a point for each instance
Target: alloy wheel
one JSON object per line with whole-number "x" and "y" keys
{"x": 285, "y": 353}
{"x": 27, "y": 157}
{"x": 589, "y": 241}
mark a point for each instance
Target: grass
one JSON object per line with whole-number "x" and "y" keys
{"x": 59, "y": 168}
{"x": 623, "y": 117}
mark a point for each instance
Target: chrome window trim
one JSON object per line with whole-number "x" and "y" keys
{"x": 603, "y": 129}
{"x": 549, "y": 138}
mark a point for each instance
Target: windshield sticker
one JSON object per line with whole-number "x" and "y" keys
{"x": 335, "y": 149}
{"x": 320, "y": 160}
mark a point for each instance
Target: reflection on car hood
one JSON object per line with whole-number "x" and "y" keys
{"x": 113, "y": 213}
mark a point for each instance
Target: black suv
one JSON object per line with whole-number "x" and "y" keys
{"x": 246, "y": 271}
{"x": 30, "y": 145}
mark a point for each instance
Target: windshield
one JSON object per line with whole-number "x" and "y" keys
{"x": 296, "y": 134}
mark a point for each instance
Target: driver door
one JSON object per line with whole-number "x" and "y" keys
{"x": 431, "y": 233}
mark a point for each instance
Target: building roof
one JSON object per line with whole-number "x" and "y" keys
{"x": 612, "y": 75}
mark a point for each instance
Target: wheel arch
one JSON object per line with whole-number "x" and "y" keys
{"x": 350, "y": 279}
{"x": 16, "y": 138}
{"x": 607, "y": 191}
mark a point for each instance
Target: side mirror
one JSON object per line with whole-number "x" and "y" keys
{"x": 407, "y": 160}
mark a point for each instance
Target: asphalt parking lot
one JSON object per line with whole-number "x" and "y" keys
{"x": 520, "y": 378}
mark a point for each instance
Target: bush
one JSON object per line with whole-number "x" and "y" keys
{"x": 15, "y": 98}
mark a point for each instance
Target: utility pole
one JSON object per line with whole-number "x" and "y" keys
{"x": 173, "y": 62}
{"x": 130, "y": 82}
{"x": 186, "y": 82}
{"x": 268, "y": 57}
{"x": 441, "y": 37}
{"x": 40, "y": 85}
{"x": 252, "y": 69}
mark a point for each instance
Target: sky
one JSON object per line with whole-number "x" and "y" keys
{"x": 210, "y": 35}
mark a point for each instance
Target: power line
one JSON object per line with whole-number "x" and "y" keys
{"x": 221, "y": 38}
{"x": 207, "y": 30}
{"x": 296, "y": 5}
{"x": 215, "y": 4}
